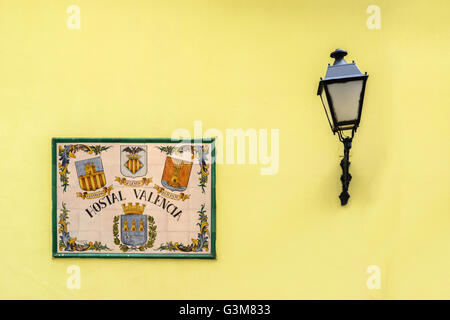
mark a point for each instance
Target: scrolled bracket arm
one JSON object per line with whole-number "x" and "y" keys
{"x": 346, "y": 177}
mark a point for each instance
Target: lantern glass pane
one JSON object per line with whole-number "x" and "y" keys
{"x": 345, "y": 97}
{"x": 327, "y": 107}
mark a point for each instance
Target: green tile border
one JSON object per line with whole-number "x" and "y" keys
{"x": 211, "y": 255}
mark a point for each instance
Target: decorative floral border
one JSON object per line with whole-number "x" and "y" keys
{"x": 151, "y": 235}
{"x": 204, "y": 168}
{"x": 198, "y": 244}
{"x": 69, "y": 152}
{"x": 68, "y": 243}
{"x": 201, "y": 152}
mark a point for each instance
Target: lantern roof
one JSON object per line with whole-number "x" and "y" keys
{"x": 340, "y": 69}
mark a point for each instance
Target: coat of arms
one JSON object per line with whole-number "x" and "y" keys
{"x": 133, "y": 161}
{"x": 137, "y": 230}
{"x": 177, "y": 170}
{"x": 90, "y": 174}
{"x": 133, "y": 225}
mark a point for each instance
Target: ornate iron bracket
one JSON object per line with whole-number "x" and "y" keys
{"x": 346, "y": 176}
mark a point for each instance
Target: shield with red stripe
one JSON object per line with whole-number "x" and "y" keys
{"x": 90, "y": 174}
{"x": 133, "y": 160}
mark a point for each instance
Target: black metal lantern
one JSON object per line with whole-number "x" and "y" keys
{"x": 342, "y": 95}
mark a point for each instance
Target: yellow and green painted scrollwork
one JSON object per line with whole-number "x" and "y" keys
{"x": 67, "y": 243}
{"x": 67, "y": 152}
{"x": 198, "y": 244}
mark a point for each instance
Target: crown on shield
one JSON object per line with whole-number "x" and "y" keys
{"x": 133, "y": 156}
{"x": 133, "y": 209}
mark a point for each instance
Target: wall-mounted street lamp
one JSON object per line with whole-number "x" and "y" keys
{"x": 342, "y": 95}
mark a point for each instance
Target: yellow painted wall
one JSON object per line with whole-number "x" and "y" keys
{"x": 145, "y": 68}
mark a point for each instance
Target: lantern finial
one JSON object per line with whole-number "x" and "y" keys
{"x": 338, "y": 55}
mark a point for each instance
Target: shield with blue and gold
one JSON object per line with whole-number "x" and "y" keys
{"x": 133, "y": 225}
{"x": 90, "y": 174}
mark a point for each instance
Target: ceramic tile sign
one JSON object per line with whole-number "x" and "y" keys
{"x": 151, "y": 198}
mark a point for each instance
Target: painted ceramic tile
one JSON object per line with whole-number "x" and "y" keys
{"x": 133, "y": 198}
